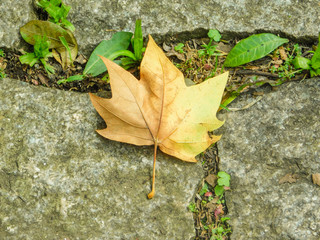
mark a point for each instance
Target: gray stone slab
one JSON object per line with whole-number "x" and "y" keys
{"x": 60, "y": 180}
{"x": 94, "y": 19}
{"x": 13, "y": 16}
{"x": 278, "y": 135}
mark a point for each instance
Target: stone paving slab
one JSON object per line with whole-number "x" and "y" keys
{"x": 95, "y": 20}
{"x": 59, "y": 179}
{"x": 279, "y": 135}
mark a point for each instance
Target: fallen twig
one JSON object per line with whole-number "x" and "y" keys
{"x": 247, "y": 106}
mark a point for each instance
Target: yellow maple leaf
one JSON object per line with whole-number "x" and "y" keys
{"x": 159, "y": 109}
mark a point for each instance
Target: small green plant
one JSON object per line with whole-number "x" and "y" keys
{"x": 112, "y": 49}
{"x": 71, "y": 79}
{"x": 192, "y": 207}
{"x": 210, "y": 49}
{"x": 115, "y": 47}
{"x": 179, "y": 48}
{"x": 2, "y": 74}
{"x": 2, "y": 54}
{"x": 204, "y": 189}
{"x": 287, "y": 70}
{"x": 57, "y": 12}
{"x": 312, "y": 65}
{"x": 41, "y": 54}
{"x": 62, "y": 41}
{"x": 223, "y": 183}
{"x": 221, "y": 231}
{"x": 58, "y": 29}
{"x": 130, "y": 58}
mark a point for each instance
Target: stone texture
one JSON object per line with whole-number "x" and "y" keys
{"x": 13, "y": 16}
{"x": 60, "y": 180}
{"x": 93, "y": 19}
{"x": 278, "y": 135}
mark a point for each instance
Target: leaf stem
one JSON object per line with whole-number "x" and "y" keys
{"x": 151, "y": 194}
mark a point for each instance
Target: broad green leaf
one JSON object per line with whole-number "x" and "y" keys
{"x": 119, "y": 41}
{"x": 138, "y": 40}
{"x": 253, "y": 48}
{"x": 50, "y": 30}
{"x": 220, "y": 229}
{"x": 301, "y": 62}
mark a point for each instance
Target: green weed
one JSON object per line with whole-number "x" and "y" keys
{"x": 287, "y": 70}
{"x": 58, "y": 29}
{"x": 179, "y": 48}
{"x": 41, "y": 54}
{"x": 113, "y": 49}
{"x": 57, "y": 12}
{"x": 204, "y": 189}
{"x": 2, "y": 74}
{"x": 223, "y": 183}
{"x": 203, "y": 62}
{"x": 221, "y": 231}
{"x": 2, "y": 54}
{"x": 132, "y": 58}
{"x": 210, "y": 49}
{"x": 312, "y": 65}
{"x": 192, "y": 207}
{"x": 71, "y": 79}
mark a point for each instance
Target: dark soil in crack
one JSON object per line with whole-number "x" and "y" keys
{"x": 36, "y": 75}
{"x": 208, "y": 210}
